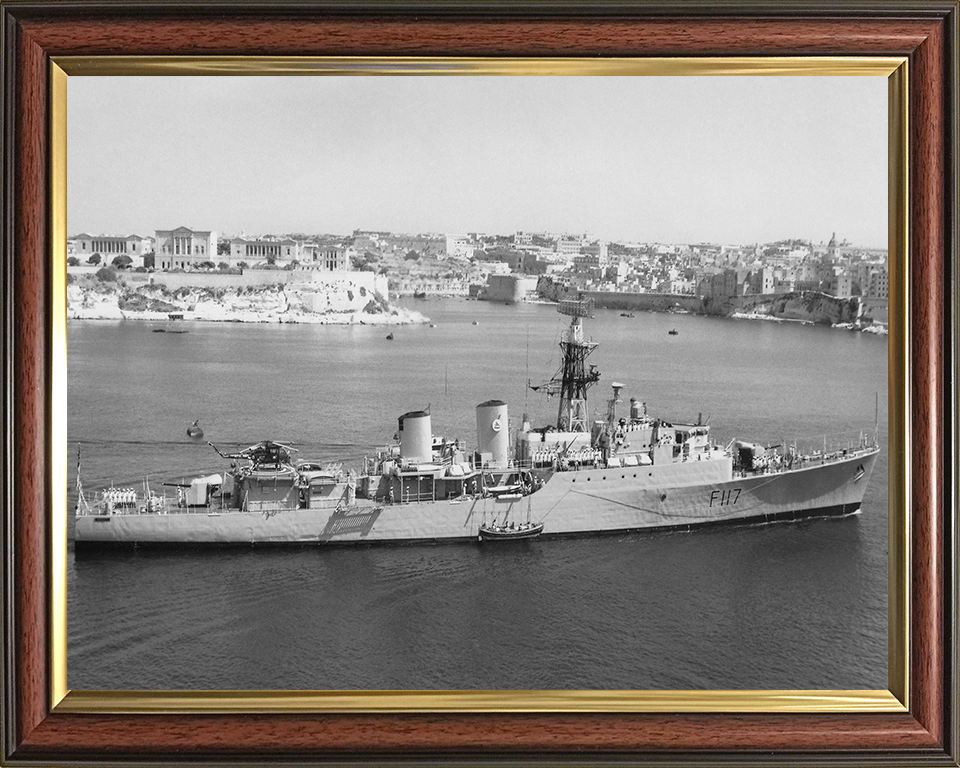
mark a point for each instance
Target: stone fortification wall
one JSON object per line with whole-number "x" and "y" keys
{"x": 507, "y": 288}
{"x": 547, "y": 288}
{"x": 876, "y": 310}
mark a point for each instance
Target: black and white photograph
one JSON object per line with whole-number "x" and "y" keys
{"x": 477, "y": 383}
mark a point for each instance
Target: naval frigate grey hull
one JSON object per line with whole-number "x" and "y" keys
{"x": 584, "y": 502}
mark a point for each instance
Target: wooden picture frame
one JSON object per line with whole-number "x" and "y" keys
{"x": 39, "y": 728}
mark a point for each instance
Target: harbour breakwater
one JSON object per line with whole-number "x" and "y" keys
{"x": 806, "y": 306}
{"x": 351, "y": 299}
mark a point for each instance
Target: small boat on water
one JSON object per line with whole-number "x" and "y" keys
{"x": 673, "y": 332}
{"x": 419, "y": 294}
{"x": 494, "y": 532}
{"x": 627, "y": 314}
{"x": 194, "y": 430}
{"x": 172, "y": 326}
{"x": 389, "y": 337}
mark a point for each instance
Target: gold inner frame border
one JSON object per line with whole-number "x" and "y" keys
{"x": 894, "y": 699}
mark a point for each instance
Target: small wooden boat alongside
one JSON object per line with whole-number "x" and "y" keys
{"x": 494, "y": 532}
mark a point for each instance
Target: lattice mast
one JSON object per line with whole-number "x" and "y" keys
{"x": 574, "y": 377}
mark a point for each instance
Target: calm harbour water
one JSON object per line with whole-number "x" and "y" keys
{"x": 790, "y": 605}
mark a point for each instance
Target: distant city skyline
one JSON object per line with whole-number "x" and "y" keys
{"x": 644, "y": 159}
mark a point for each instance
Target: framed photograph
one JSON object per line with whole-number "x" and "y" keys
{"x": 419, "y": 404}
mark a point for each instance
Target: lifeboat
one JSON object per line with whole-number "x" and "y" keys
{"x": 521, "y": 532}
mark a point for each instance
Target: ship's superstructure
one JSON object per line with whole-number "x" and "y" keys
{"x": 574, "y": 376}
{"x": 619, "y": 473}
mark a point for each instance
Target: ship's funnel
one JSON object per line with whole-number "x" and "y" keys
{"x": 416, "y": 437}
{"x": 492, "y": 432}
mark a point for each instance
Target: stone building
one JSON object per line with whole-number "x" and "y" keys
{"x": 111, "y": 246}
{"x": 280, "y": 251}
{"x": 184, "y": 248}
{"x": 318, "y": 257}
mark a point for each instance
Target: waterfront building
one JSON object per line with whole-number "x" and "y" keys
{"x": 569, "y": 245}
{"x": 425, "y": 245}
{"x": 492, "y": 267}
{"x": 841, "y": 285}
{"x": 785, "y": 283}
{"x": 548, "y": 254}
{"x": 872, "y": 279}
{"x": 676, "y": 285}
{"x": 599, "y": 249}
{"x": 761, "y": 281}
{"x": 663, "y": 249}
{"x": 460, "y": 246}
{"x": 320, "y": 257}
{"x": 435, "y": 286}
{"x": 184, "y": 248}
{"x": 877, "y": 284}
{"x": 111, "y": 246}
{"x": 271, "y": 250}
{"x": 366, "y": 241}
{"x": 721, "y": 286}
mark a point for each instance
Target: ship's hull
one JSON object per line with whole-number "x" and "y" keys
{"x": 594, "y": 501}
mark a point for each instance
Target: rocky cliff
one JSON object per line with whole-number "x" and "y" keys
{"x": 809, "y": 306}
{"x": 96, "y": 298}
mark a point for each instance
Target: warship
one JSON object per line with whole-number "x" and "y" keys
{"x": 580, "y": 476}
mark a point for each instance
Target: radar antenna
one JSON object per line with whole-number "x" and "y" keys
{"x": 573, "y": 378}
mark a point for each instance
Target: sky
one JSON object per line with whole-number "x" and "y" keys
{"x": 642, "y": 159}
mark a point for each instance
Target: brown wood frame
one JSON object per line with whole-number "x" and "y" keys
{"x": 925, "y": 32}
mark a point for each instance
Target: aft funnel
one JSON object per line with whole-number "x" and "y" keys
{"x": 416, "y": 438}
{"x": 492, "y": 433}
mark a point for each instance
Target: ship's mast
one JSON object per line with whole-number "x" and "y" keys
{"x": 574, "y": 378}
